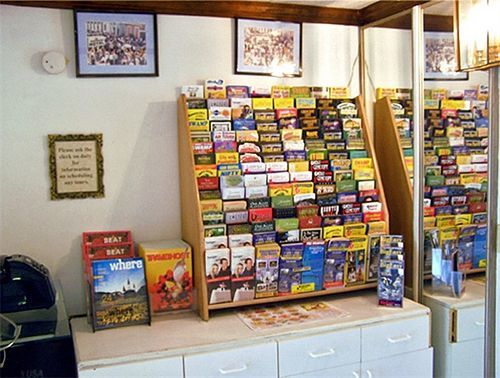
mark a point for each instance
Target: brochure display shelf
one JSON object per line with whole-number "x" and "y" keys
{"x": 192, "y": 224}
{"x": 397, "y": 182}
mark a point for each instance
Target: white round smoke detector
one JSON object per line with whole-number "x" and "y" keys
{"x": 54, "y": 62}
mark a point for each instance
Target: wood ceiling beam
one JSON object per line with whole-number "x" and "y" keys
{"x": 432, "y": 22}
{"x": 262, "y": 10}
{"x": 383, "y": 9}
{"x": 438, "y": 23}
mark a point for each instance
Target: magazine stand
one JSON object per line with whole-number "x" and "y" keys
{"x": 397, "y": 182}
{"x": 192, "y": 225}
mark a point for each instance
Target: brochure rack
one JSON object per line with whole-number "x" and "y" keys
{"x": 192, "y": 225}
{"x": 396, "y": 181}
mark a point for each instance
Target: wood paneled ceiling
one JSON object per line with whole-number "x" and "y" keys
{"x": 353, "y": 12}
{"x": 350, "y": 4}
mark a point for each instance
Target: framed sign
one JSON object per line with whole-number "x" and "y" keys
{"x": 115, "y": 44}
{"x": 440, "y": 62}
{"x": 76, "y": 166}
{"x": 268, "y": 48}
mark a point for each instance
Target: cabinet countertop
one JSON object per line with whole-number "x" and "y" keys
{"x": 185, "y": 333}
{"x": 473, "y": 296}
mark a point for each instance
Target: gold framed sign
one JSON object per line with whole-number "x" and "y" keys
{"x": 76, "y": 166}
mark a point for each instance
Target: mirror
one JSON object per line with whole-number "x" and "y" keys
{"x": 451, "y": 262}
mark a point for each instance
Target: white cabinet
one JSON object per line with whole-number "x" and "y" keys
{"x": 409, "y": 365}
{"x": 305, "y": 354}
{"x": 346, "y": 371}
{"x": 386, "y": 339}
{"x": 385, "y": 349}
{"x": 167, "y": 367}
{"x": 470, "y": 323}
{"x": 414, "y": 364}
{"x": 368, "y": 341}
{"x": 467, "y": 359}
{"x": 253, "y": 361}
{"x": 458, "y": 332}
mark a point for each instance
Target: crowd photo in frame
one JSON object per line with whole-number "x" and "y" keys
{"x": 440, "y": 60}
{"x": 115, "y": 44}
{"x": 271, "y": 48}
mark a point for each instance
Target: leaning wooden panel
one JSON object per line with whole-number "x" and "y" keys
{"x": 191, "y": 223}
{"x": 372, "y": 153}
{"x": 396, "y": 180}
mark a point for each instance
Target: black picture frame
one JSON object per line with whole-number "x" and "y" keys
{"x": 252, "y": 57}
{"x": 124, "y": 44}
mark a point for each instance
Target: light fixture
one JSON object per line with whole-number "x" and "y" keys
{"x": 477, "y": 34}
{"x": 280, "y": 69}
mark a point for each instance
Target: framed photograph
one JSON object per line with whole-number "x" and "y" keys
{"x": 271, "y": 48}
{"x": 76, "y": 166}
{"x": 115, "y": 44}
{"x": 440, "y": 61}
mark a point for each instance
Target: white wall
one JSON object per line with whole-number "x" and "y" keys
{"x": 137, "y": 117}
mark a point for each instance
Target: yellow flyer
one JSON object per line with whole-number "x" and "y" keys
{"x": 445, "y": 221}
{"x": 262, "y": 103}
{"x": 283, "y": 103}
{"x": 379, "y": 227}
{"x": 463, "y": 219}
{"x": 302, "y": 187}
{"x": 211, "y": 205}
{"x": 330, "y": 232}
{"x": 338, "y": 92}
{"x": 361, "y": 163}
{"x": 298, "y": 166}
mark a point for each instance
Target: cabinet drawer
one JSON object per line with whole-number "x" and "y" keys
{"x": 470, "y": 323}
{"x": 414, "y": 365}
{"x": 466, "y": 359}
{"x": 168, "y": 367}
{"x": 254, "y": 361}
{"x": 310, "y": 353}
{"x": 397, "y": 337}
{"x": 346, "y": 371}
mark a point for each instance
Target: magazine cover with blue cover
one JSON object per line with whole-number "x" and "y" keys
{"x": 119, "y": 293}
{"x": 391, "y": 283}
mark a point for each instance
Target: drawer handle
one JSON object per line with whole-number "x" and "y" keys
{"x": 399, "y": 339}
{"x": 231, "y": 371}
{"x": 479, "y": 323}
{"x": 356, "y": 375}
{"x": 330, "y": 352}
{"x": 369, "y": 374}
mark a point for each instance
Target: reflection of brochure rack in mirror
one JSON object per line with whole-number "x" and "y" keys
{"x": 454, "y": 200}
{"x": 305, "y": 227}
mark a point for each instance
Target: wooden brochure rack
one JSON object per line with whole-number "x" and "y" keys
{"x": 397, "y": 182}
{"x": 192, "y": 225}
